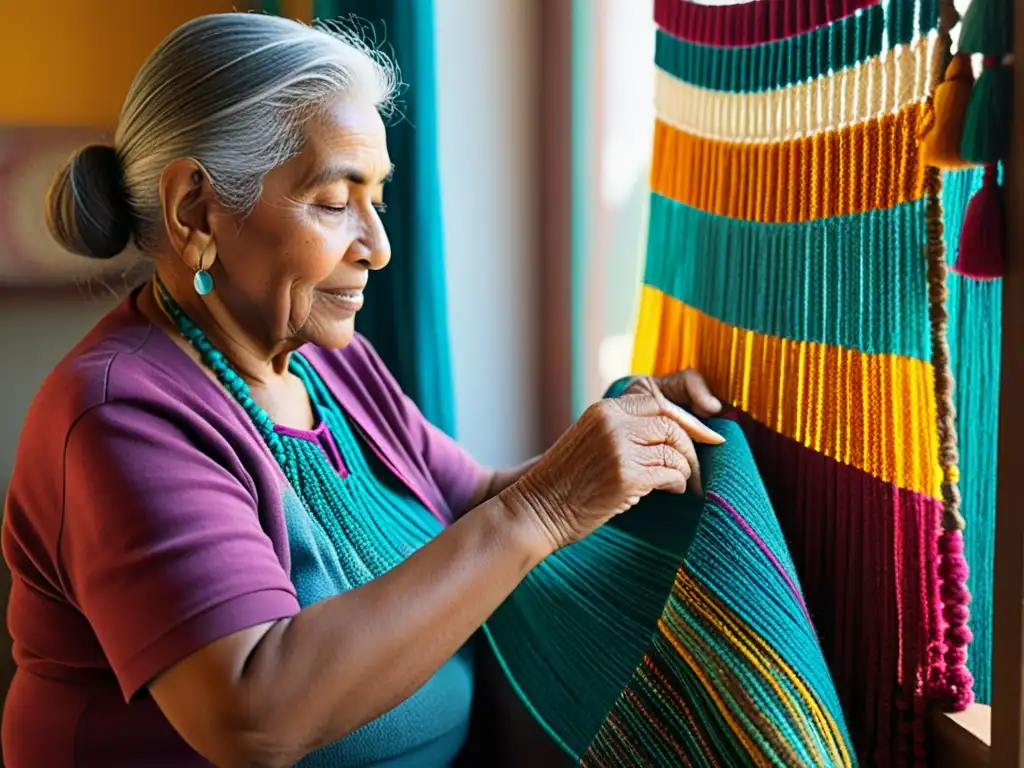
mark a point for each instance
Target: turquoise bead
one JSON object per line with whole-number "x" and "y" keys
{"x": 203, "y": 282}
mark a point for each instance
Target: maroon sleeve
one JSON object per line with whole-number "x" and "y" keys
{"x": 457, "y": 474}
{"x": 162, "y": 549}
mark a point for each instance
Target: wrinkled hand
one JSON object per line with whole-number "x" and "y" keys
{"x": 618, "y": 452}
{"x": 686, "y": 388}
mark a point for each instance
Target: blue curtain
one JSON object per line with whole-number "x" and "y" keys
{"x": 405, "y": 316}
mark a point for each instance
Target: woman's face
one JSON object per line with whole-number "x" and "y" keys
{"x": 293, "y": 271}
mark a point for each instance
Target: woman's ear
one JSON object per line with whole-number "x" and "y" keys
{"x": 186, "y": 198}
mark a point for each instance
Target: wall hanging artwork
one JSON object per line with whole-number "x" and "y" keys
{"x": 798, "y": 257}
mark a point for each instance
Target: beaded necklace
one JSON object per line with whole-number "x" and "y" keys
{"x": 367, "y": 545}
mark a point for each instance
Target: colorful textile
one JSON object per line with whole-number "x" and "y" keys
{"x": 148, "y": 566}
{"x": 677, "y": 635}
{"x": 796, "y": 258}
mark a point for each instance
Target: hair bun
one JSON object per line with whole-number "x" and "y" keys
{"x": 87, "y": 210}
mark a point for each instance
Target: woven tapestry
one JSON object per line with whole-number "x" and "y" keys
{"x": 797, "y": 257}
{"x": 677, "y": 634}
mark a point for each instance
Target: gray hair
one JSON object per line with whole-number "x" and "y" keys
{"x": 231, "y": 91}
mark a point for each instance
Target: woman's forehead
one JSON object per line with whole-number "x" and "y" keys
{"x": 347, "y": 141}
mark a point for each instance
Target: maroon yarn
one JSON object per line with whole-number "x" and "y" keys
{"x": 982, "y": 252}
{"x": 867, "y": 553}
{"x": 750, "y": 23}
{"x": 953, "y": 572}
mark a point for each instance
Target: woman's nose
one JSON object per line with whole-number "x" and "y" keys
{"x": 374, "y": 248}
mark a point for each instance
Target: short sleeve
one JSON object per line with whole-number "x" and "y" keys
{"x": 161, "y": 547}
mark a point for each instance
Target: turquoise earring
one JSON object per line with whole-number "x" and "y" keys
{"x": 203, "y": 280}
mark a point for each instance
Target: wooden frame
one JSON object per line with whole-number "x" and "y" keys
{"x": 1007, "y": 748}
{"x": 554, "y": 230}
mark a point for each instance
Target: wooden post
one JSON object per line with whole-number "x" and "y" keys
{"x": 1008, "y": 600}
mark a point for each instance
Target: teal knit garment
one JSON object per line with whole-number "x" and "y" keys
{"x": 430, "y": 727}
{"x": 345, "y": 529}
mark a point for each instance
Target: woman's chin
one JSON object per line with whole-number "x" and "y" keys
{"x": 333, "y": 333}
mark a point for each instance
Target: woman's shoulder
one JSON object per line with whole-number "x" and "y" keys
{"x": 123, "y": 358}
{"x": 127, "y": 364}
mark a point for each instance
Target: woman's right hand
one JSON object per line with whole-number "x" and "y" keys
{"x": 617, "y": 452}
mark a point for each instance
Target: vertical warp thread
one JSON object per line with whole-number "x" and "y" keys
{"x": 953, "y": 570}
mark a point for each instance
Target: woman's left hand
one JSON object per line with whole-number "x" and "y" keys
{"x": 685, "y": 388}
{"x": 688, "y": 390}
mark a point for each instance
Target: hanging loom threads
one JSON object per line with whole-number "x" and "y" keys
{"x": 986, "y": 30}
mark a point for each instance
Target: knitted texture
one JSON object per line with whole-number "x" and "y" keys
{"x": 797, "y": 257}
{"x": 677, "y": 635}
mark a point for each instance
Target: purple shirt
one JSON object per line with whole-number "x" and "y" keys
{"x": 144, "y": 520}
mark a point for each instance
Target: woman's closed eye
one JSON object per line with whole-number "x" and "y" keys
{"x": 381, "y": 208}
{"x": 333, "y": 208}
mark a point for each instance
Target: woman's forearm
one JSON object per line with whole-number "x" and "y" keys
{"x": 344, "y": 661}
{"x": 497, "y": 480}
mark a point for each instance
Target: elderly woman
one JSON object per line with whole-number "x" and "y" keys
{"x": 233, "y": 539}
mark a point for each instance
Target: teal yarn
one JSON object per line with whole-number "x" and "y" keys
{"x": 975, "y": 344}
{"x": 839, "y": 45}
{"x": 987, "y": 28}
{"x": 850, "y": 281}
{"x": 987, "y": 120}
{"x": 576, "y": 638}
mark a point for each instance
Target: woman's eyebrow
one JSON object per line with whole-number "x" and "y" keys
{"x": 333, "y": 173}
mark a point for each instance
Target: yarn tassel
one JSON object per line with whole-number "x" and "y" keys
{"x": 987, "y": 28}
{"x": 944, "y": 124}
{"x": 986, "y": 124}
{"x": 982, "y": 235}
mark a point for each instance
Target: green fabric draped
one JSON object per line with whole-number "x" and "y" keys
{"x": 676, "y": 634}
{"x": 841, "y": 44}
{"x": 405, "y": 317}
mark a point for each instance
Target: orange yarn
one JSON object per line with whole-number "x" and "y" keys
{"x": 873, "y": 412}
{"x": 943, "y": 126}
{"x": 870, "y": 165}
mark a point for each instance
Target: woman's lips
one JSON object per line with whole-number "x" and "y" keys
{"x": 347, "y": 300}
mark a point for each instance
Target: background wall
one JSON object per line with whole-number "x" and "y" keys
{"x": 487, "y": 110}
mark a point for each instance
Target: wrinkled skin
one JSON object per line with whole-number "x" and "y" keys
{"x": 618, "y": 452}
